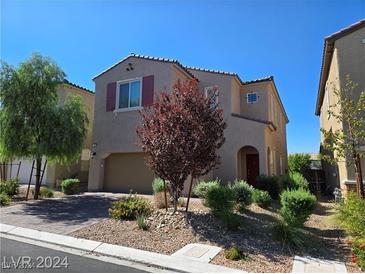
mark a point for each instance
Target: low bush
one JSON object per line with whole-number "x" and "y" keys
{"x": 358, "y": 250}
{"x": 129, "y": 207}
{"x": 158, "y": 185}
{"x": 46, "y": 192}
{"x": 235, "y": 254}
{"x": 294, "y": 180}
{"x": 243, "y": 193}
{"x": 142, "y": 222}
{"x": 287, "y": 234}
{"x": 261, "y": 198}
{"x": 181, "y": 202}
{"x": 159, "y": 199}
{"x": 200, "y": 189}
{"x": 70, "y": 186}
{"x": 296, "y": 206}
{"x": 270, "y": 184}
{"x": 4, "y": 199}
{"x": 9, "y": 187}
{"x": 231, "y": 221}
{"x": 351, "y": 215}
{"x": 220, "y": 199}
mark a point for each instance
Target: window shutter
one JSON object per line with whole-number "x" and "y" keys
{"x": 111, "y": 91}
{"x": 147, "y": 90}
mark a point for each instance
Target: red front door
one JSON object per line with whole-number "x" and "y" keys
{"x": 253, "y": 168}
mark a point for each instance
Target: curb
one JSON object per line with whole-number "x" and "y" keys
{"x": 172, "y": 263}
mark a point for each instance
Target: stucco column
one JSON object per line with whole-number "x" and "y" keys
{"x": 263, "y": 160}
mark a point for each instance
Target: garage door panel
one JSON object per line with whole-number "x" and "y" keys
{"x": 127, "y": 171}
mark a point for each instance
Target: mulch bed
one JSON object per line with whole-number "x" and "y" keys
{"x": 168, "y": 232}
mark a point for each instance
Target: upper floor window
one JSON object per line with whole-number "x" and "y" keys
{"x": 251, "y": 98}
{"x": 129, "y": 94}
{"x": 212, "y": 94}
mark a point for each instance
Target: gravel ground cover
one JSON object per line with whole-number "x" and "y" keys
{"x": 168, "y": 232}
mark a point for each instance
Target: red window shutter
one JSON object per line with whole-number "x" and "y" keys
{"x": 147, "y": 90}
{"x": 111, "y": 92}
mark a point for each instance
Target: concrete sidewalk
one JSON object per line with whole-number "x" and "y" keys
{"x": 172, "y": 263}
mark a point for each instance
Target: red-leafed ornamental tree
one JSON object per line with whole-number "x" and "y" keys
{"x": 180, "y": 134}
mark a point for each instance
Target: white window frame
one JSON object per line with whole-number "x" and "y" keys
{"x": 207, "y": 89}
{"x": 117, "y": 109}
{"x": 254, "y": 102}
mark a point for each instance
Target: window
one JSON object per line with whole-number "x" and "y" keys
{"x": 251, "y": 98}
{"x": 212, "y": 93}
{"x": 129, "y": 94}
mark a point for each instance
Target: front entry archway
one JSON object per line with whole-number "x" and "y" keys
{"x": 248, "y": 164}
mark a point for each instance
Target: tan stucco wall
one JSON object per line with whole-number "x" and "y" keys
{"x": 259, "y": 110}
{"x": 79, "y": 169}
{"x": 348, "y": 59}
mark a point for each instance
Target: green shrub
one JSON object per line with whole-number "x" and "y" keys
{"x": 200, "y": 189}
{"x": 294, "y": 180}
{"x": 129, "y": 207}
{"x": 270, "y": 184}
{"x": 243, "y": 193}
{"x": 351, "y": 214}
{"x": 70, "y": 186}
{"x": 220, "y": 199}
{"x": 299, "y": 162}
{"x": 232, "y": 221}
{"x": 297, "y": 206}
{"x": 4, "y": 199}
{"x": 46, "y": 192}
{"x": 141, "y": 222}
{"x": 261, "y": 198}
{"x": 235, "y": 254}
{"x": 287, "y": 234}
{"x": 358, "y": 249}
{"x": 10, "y": 187}
{"x": 158, "y": 185}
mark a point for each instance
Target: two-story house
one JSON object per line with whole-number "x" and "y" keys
{"x": 344, "y": 54}
{"x": 256, "y": 122}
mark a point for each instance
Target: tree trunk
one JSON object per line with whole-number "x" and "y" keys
{"x": 359, "y": 181}
{"x": 189, "y": 194}
{"x": 164, "y": 189}
{"x": 37, "y": 178}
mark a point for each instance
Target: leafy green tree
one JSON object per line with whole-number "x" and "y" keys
{"x": 33, "y": 124}
{"x": 346, "y": 143}
{"x": 299, "y": 162}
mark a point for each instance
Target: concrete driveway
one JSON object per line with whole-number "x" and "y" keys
{"x": 61, "y": 216}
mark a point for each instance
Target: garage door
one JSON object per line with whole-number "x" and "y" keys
{"x": 126, "y": 171}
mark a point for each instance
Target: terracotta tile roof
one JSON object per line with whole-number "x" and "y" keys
{"x": 262, "y": 79}
{"x": 216, "y": 71}
{"x": 77, "y": 86}
{"x": 159, "y": 59}
{"x": 329, "y": 42}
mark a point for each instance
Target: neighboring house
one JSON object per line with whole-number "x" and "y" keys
{"x": 256, "y": 122}
{"x": 344, "y": 54}
{"x": 55, "y": 173}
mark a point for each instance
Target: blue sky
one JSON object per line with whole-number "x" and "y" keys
{"x": 252, "y": 38}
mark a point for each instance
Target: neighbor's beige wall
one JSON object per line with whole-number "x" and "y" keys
{"x": 348, "y": 59}
{"x": 116, "y": 131}
{"x": 351, "y": 59}
{"x": 80, "y": 169}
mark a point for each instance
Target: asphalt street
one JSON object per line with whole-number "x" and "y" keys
{"x": 22, "y": 257}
